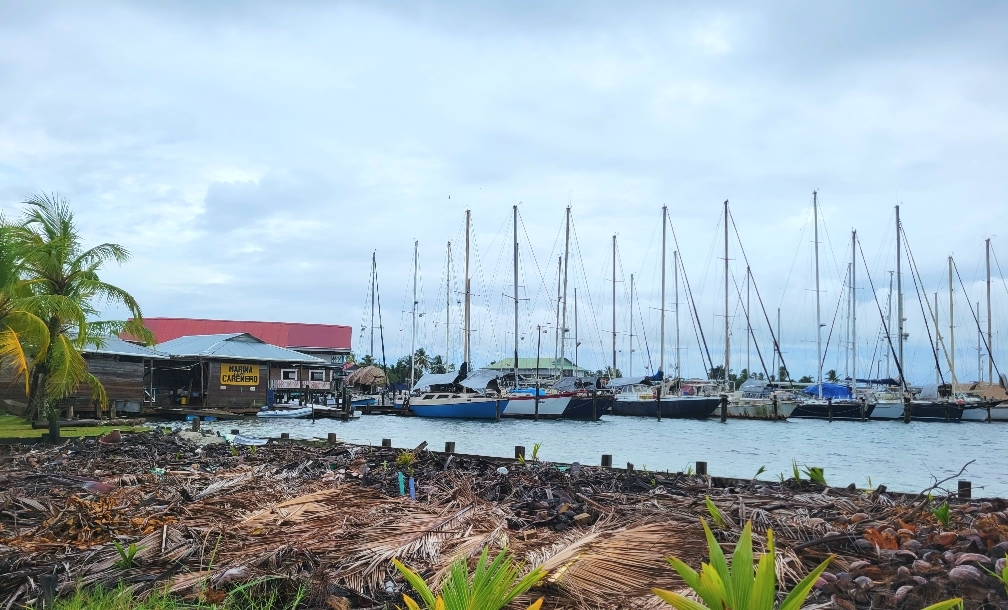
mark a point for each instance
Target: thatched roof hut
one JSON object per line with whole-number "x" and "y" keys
{"x": 367, "y": 376}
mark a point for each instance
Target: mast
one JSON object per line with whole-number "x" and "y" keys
{"x": 951, "y": 330}
{"x": 630, "y": 373}
{"x": 661, "y": 358}
{"x": 412, "y": 375}
{"x": 748, "y": 355}
{"x": 465, "y": 331}
{"x": 979, "y": 348}
{"x": 899, "y": 304}
{"x": 614, "y": 305}
{"x": 675, "y": 264}
{"x": 853, "y": 324}
{"x": 990, "y": 345}
{"x": 577, "y": 343}
{"x": 448, "y": 308}
{"x": 556, "y": 330}
{"x": 934, "y": 318}
{"x": 818, "y": 315}
{"x": 889, "y": 326}
{"x": 515, "y": 210}
{"x": 374, "y": 270}
{"x": 563, "y": 319}
{"x": 779, "y": 344}
{"x": 727, "y": 337}
{"x": 847, "y": 324}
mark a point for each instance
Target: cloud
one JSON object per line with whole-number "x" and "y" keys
{"x": 252, "y": 157}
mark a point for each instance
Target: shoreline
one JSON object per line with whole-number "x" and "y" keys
{"x": 331, "y": 516}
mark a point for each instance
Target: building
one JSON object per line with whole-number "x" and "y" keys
{"x": 237, "y": 371}
{"x": 330, "y": 342}
{"x": 548, "y": 367}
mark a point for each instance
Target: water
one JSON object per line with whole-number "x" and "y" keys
{"x": 892, "y": 453}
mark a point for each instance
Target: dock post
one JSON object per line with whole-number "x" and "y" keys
{"x": 629, "y": 466}
{"x": 386, "y": 442}
{"x": 724, "y": 408}
{"x": 906, "y": 409}
{"x": 658, "y": 402}
{"x": 332, "y": 438}
{"x": 519, "y": 452}
{"x": 595, "y": 398}
{"x": 195, "y": 425}
{"x": 988, "y": 412}
{"x": 965, "y": 490}
{"x": 285, "y": 436}
{"x": 537, "y": 402}
{"x": 775, "y": 410}
{"x": 606, "y": 460}
{"x": 449, "y": 447}
{"x": 829, "y": 409}
{"x": 497, "y": 411}
{"x": 701, "y": 468}
{"x": 234, "y": 431}
{"x": 862, "y": 408}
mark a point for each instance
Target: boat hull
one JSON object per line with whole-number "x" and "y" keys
{"x": 473, "y": 408}
{"x": 843, "y": 410}
{"x": 580, "y": 407}
{"x": 998, "y": 412}
{"x": 551, "y": 406}
{"x": 760, "y": 410}
{"x": 921, "y": 411}
{"x": 286, "y": 413}
{"x": 675, "y": 407}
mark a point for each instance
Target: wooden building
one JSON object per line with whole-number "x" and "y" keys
{"x": 237, "y": 372}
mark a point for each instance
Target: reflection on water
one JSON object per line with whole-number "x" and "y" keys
{"x": 900, "y": 456}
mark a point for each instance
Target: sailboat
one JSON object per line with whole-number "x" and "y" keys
{"x": 828, "y": 401}
{"x": 457, "y": 395}
{"x": 926, "y": 406}
{"x": 656, "y": 396}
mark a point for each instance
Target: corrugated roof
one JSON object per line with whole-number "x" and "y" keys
{"x": 283, "y": 334}
{"x": 506, "y": 364}
{"x": 114, "y": 346}
{"x": 232, "y": 346}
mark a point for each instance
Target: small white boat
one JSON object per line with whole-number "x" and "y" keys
{"x": 285, "y": 413}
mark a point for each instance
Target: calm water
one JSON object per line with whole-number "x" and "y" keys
{"x": 895, "y": 454}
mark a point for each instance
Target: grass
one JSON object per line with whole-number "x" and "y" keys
{"x": 12, "y": 426}
{"x": 122, "y": 598}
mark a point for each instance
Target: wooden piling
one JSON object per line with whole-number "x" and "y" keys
{"x": 863, "y": 408}
{"x": 497, "y": 411}
{"x": 332, "y": 440}
{"x": 595, "y": 414}
{"x": 234, "y": 431}
{"x": 965, "y": 490}
{"x": 386, "y": 442}
{"x": 449, "y": 447}
{"x": 724, "y": 408}
{"x": 776, "y": 417}
{"x": 285, "y": 436}
{"x": 519, "y": 452}
{"x": 658, "y": 402}
{"x": 629, "y": 466}
{"x": 906, "y": 409}
{"x": 606, "y": 460}
{"x": 829, "y": 409}
{"x": 701, "y": 468}
{"x": 195, "y": 425}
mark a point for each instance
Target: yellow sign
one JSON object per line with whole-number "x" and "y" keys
{"x": 239, "y": 374}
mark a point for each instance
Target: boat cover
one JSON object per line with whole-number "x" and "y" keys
{"x": 529, "y": 391}
{"x": 570, "y": 384}
{"x": 829, "y": 390}
{"x": 479, "y": 380}
{"x": 430, "y": 379}
{"x": 929, "y": 392}
{"x": 620, "y": 382}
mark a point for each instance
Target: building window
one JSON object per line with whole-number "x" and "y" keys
{"x": 288, "y": 374}
{"x": 317, "y": 375}
{"x": 337, "y": 359}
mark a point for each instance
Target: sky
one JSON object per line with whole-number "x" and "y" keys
{"x": 253, "y": 157}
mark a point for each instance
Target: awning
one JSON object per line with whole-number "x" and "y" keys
{"x": 432, "y": 379}
{"x": 479, "y": 380}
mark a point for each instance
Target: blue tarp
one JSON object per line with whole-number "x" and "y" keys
{"x": 530, "y": 391}
{"x": 829, "y": 390}
{"x": 657, "y": 376}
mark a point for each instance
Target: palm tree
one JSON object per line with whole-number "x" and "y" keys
{"x": 63, "y": 280}
{"x": 22, "y": 334}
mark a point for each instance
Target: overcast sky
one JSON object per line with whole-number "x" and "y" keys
{"x": 252, "y": 157}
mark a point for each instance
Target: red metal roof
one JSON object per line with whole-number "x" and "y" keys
{"x": 283, "y": 334}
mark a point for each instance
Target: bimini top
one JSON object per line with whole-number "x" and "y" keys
{"x": 233, "y": 346}
{"x": 114, "y": 346}
{"x": 432, "y": 379}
